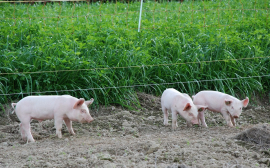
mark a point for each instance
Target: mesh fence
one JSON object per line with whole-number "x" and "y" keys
{"x": 25, "y": 24}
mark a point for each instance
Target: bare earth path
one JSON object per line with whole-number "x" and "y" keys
{"x": 120, "y": 138}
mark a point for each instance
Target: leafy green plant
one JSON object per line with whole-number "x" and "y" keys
{"x": 145, "y": 157}
{"x": 94, "y": 49}
{"x": 188, "y": 143}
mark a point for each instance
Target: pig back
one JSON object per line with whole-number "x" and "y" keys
{"x": 44, "y": 107}
{"x": 213, "y": 99}
{"x": 172, "y": 97}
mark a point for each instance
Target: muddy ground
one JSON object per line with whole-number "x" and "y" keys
{"x": 137, "y": 138}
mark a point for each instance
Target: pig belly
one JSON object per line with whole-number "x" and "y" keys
{"x": 213, "y": 110}
{"x": 211, "y": 107}
{"x": 42, "y": 115}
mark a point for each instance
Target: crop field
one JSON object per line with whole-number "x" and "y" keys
{"x": 94, "y": 50}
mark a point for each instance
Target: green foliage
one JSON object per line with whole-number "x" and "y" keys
{"x": 98, "y": 36}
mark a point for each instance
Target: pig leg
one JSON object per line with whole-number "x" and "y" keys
{"x": 233, "y": 120}
{"x": 22, "y": 132}
{"x": 58, "y": 122}
{"x": 201, "y": 119}
{"x": 69, "y": 126}
{"x": 27, "y": 130}
{"x": 174, "y": 120}
{"x": 227, "y": 118}
{"x": 165, "y": 112}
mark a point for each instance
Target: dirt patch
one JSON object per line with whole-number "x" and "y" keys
{"x": 257, "y": 138}
{"x": 258, "y": 134}
{"x": 135, "y": 138}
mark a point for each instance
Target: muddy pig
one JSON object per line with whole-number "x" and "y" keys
{"x": 59, "y": 108}
{"x": 229, "y": 106}
{"x": 179, "y": 103}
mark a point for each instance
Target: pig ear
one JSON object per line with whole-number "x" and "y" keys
{"x": 78, "y": 103}
{"x": 88, "y": 103}
{"x": 202, "y": 108}
{"x": 187, "y": 107}
{"x": 228, "y": 102}
{"x": 245, "y": 102}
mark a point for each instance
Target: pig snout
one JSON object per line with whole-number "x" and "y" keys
{"x": 87, "y": 120}
{"x": 235, "y": 116}
{"x": 90, "y": 120}
{"x": 194, "y": 121}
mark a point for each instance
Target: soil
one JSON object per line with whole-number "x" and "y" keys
{"x": 137, "y": 138}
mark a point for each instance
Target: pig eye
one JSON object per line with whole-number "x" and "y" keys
{"x": 83, "y": 111}
{"x": 232, "y": 107}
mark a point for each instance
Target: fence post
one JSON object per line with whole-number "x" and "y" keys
{"x": 140, "y": 16}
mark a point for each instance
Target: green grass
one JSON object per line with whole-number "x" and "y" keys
{"x": 104, "y": 35}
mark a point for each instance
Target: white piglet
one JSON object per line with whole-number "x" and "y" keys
{"x": 179, "y": 103}
{"x": 59, "y": 108}
{"x": 229, "y": 106}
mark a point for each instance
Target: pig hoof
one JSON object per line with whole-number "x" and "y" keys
{"x": 60, "y": 136}
{"x": 72, "y": 133}
{"x": 30, "y": 141}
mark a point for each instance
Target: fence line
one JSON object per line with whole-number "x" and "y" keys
{"x": 133, "y": 86}
{"x": 140, "y": 16}
{"x": 137, "y": 66}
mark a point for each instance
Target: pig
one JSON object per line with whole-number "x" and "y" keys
{"x": 55, "y": 107}
{"x": 179, "y": 103}
{"x": 229, "y": 106}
